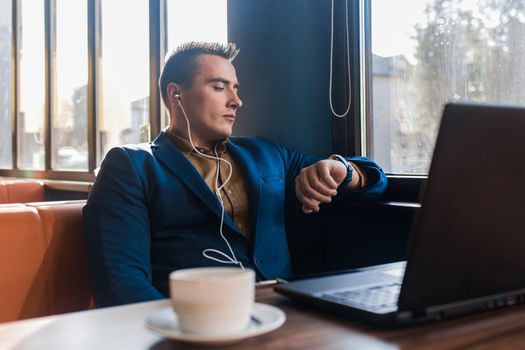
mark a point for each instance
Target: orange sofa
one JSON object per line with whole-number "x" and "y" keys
{"x": 43, "y": 268}
{"x": 21, "y": 191}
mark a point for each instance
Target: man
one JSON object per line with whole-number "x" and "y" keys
{"x": 196, "y": 196}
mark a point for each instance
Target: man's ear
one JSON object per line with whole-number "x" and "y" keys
{"x": 173, "y": 91}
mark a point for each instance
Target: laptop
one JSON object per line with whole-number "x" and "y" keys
{"x": 467, "y": 245}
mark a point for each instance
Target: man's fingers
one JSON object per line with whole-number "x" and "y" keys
{"x": 318, "y": 190}
{"x": 326, "y": 178}
{"x": 315, "y": 185}
{"x": 309, "y": 203}
{"x": 309, "y": 211}
{"x": 304, "y": 197}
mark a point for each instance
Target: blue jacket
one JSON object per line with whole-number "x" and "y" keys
{"x": 150, "y": 212}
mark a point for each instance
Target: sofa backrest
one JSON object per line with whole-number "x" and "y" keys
{"x": 23, "y": 292}
{"x": 21, "y": 191}
{"x": 43, "y": 268}
{"x": 68, "y": 282}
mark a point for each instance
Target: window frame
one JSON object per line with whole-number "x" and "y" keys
{"x": 156, "y": 52}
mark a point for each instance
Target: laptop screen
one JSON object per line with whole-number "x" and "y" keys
{"x": 468, "y": 238}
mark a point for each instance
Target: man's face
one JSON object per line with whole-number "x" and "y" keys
{"x": 211, "y": 102}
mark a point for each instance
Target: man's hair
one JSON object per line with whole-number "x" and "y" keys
{"x": 181, "y": 65}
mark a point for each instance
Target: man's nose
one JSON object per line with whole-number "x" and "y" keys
{"x": 235, "y": 101}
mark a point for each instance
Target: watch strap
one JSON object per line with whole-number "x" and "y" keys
{"x": 349, "y": 169}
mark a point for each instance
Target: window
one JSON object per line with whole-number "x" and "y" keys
{"x": 6, "y": 50}
{"x": 83, "y": 72}
{"x": 69, "y": 117}
{"x": 433, "y": 52}
{"x": 31, "y": 86}
{"x": 123, "y": 99}
{"x": 197, "y": 20}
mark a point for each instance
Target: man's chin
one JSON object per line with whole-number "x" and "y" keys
{"x": 226, "y": 133}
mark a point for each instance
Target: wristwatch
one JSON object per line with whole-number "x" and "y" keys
{"x": 349, "y": 169}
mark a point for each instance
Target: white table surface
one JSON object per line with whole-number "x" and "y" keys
{"x": 120, "y": 327}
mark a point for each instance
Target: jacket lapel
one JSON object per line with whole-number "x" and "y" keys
{"x": 170, "y": 156}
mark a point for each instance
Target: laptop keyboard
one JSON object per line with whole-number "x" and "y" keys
{"x": 378, "y": 298}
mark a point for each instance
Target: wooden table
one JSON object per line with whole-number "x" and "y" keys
{"x": 123, "y": 327}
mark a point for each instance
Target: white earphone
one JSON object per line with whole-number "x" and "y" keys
{"x": 206, "y": 252}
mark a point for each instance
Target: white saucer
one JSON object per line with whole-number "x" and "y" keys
{"x": 165, "y": 323}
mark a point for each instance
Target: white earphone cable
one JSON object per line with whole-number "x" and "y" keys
{"x": 206, "y": 252}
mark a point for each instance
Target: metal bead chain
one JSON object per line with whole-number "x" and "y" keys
{"x": 347, "y": 42}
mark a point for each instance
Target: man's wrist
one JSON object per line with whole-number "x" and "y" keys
{"x": 349, "y": 169}
{"x": 361, "y": 183}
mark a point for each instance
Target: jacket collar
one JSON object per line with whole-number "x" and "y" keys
{"x": 171, "y": 157}
{"x": 187, "y": 148}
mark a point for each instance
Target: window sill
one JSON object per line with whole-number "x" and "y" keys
{"x": 73, "y": 186}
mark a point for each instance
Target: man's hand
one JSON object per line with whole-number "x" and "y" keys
{"x": 318, "y": 183}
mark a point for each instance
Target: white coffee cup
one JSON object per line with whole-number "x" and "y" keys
{"x": 213, "y": 300}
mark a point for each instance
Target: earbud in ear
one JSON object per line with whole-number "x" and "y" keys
{"x": 177, "y": 96}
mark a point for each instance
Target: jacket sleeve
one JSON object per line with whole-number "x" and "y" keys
{"x": 376, "y": 181}
{"x": 117, "y": 233}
